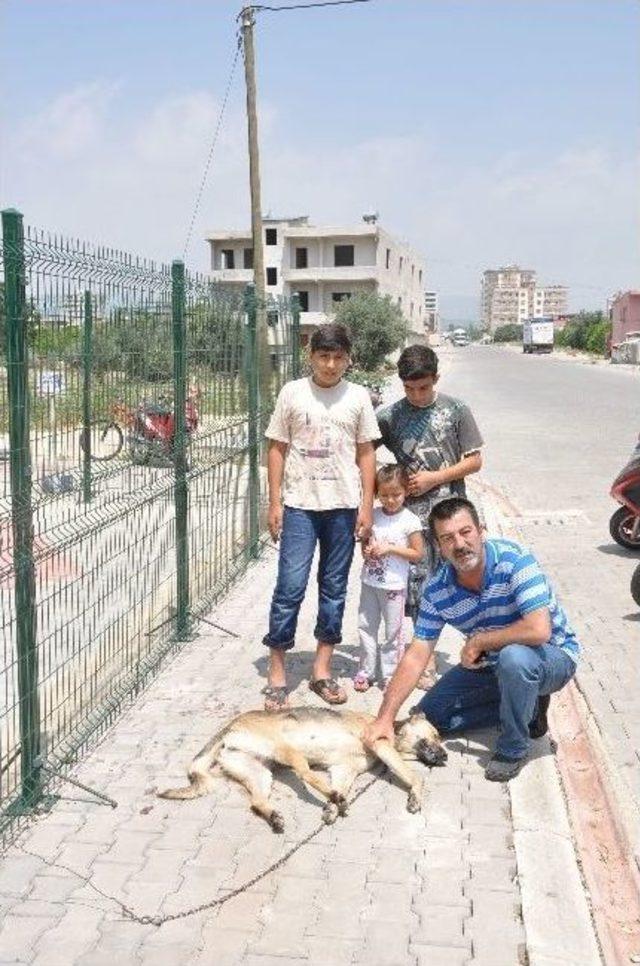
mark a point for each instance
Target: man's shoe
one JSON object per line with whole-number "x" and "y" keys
{"x": 539, "y": 725}
{"x": 501, "y": 769}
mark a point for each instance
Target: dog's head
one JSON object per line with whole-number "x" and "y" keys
{"x": 417, "y": 739}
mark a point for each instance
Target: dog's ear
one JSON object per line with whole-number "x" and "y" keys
{"x": 417, "y": 715}
{"x": 397, "y": 725}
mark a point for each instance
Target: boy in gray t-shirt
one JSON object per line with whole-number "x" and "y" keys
{"x": 436, "y": 439}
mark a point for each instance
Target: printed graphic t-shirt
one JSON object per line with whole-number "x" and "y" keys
{"x": 322, "y": 427}
{"x": 390, "y": 572}
{"x": 430, "y": 438}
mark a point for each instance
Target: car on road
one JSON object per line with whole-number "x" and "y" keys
{"x": 460, "y": 339}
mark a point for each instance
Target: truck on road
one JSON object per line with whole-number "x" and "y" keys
{"x": 537, "y": 335}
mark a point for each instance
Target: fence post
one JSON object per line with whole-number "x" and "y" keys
{"x": 181, "y": 496}
{"x": 252, "y": 376}
{"x": 295, "y": 336}
{"x": 87, "y": 360}
{"x": 22, "y": 513}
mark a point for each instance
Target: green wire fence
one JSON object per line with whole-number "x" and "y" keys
{"x": 133, "y": 399}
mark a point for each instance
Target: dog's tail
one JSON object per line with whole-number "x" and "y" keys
{"x": 201, "y": 780}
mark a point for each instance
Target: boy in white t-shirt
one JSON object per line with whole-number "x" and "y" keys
{"x": 321, "y": 469}
{"x": 395, "y": 543}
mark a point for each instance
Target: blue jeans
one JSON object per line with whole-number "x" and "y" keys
{"x": 505, "y": 694}
{"x": 301, "y": 531}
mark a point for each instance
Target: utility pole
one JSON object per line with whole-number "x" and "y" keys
{"x": 248, "y": 21}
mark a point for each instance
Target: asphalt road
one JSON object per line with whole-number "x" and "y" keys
{"x": 556, "y": 432}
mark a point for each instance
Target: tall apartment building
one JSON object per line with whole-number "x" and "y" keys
{"x": 512, "y": 294}
{"x": 325, "y": 265}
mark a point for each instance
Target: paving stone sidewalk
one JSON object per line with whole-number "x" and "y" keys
{"x": 570, "y": 547}
{"x": 379, "y": 887}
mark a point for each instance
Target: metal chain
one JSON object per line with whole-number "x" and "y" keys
{"x": 213, "y": 903}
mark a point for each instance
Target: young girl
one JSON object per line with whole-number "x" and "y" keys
{"x": 396, "y": 541}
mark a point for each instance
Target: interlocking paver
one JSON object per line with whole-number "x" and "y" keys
{"x": 17, "y": 942}
{"x": 442, "y": 925}
{"x": 70, "y": 938}
{"x": 17, "y": 872}
{"x": 379, "y": 886}
{"x": 387, "y": 947}
{"x": 439, "y": 956}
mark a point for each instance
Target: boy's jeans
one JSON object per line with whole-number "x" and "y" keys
{"x": 301, "y": 530}
{"x": 505, "y": 694}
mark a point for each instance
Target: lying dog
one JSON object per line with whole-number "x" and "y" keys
{"x": 304, "y": 737}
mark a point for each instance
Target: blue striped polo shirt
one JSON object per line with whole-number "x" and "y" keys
{"x": 513, "y": 586}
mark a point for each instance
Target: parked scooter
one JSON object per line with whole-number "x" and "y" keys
{"x": 624, "y": 525}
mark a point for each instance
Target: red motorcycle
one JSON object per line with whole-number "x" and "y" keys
{"x": 150, "y": 428}
{"x": 624, "y": 525}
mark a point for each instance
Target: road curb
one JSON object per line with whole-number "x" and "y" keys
{"x": 585, "y": 899}
{"x": 557, "y": 917}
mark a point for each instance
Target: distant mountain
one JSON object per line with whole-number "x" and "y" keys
{"x": 459, "y": 309}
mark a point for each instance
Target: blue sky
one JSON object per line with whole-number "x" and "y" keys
{"x": 484, "y": 131}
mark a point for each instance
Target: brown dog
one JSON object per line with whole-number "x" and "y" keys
{"x": 300, "y": 738}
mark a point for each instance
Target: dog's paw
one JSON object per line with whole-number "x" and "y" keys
{"x": 413, "y": 803}
{"x": 276, "y": 821}
{"x": 330, "y": 813}
{"x": 340, "y": 801}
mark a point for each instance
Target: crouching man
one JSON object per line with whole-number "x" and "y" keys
{"x": 519, "y": 645}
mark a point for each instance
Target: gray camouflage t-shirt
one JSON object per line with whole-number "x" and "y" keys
{"x": 428, "y": 438}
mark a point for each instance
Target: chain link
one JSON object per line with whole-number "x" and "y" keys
{"x": 213, "y": 903}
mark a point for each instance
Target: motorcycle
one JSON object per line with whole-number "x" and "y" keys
{"x": 624, "y": 525}
{"x": 149, "y": 429}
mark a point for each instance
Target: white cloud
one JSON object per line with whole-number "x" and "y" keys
{"x": 67, "y": 127}
{"x": 85, "y": 166}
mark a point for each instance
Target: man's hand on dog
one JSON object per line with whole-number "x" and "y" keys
{"x": 274, "y": 521}
{"x": 380, "y": 728}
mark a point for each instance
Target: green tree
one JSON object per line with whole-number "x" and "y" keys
{"x": 31, "y": 315}
{"x": 587, "y": 332}
{"x": 508, "y": 333}
{"x": 377, "y": 325}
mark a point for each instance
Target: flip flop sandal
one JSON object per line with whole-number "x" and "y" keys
{"x": 276, "y": 699}
{"x": 329, "y": 690}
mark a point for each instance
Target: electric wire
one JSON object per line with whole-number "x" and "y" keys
{"x": 307, "y": 6}
{"x": 214, "y": 140}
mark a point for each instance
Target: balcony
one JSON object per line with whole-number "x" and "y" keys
{"x": 239, "y": 275}
{"x": 312, "y": 319}
{"x": 331, "y": 273}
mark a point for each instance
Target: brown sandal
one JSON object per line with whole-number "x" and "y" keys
{"x": 275, "y": 698}
{"x": 329, "y": 690}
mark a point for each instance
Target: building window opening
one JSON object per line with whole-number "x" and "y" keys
{"x": 248, "y": 258}
{"x": 272, "y": 276}
{"x": 302, "y": 258}
{"x": 343, "y": 255}
{"x": 227, "y": 258}
{"x": 303, "y": 299}
{"x": 340, "y": 296}
{"x": 271, "y": 236}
